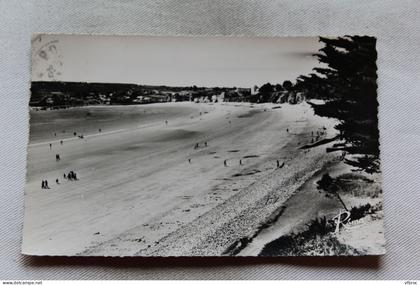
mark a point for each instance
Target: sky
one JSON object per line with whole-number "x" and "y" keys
{"x": 172, "y": 61}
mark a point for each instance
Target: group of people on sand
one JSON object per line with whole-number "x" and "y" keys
{"x": 44, "y": 184}
{"x": 225, "y": 163}
{"x": 69, "y": 176}
{"x": 318, "y": 134}
{"x": 197, "y": 145}
{"x": 80, "y": 136}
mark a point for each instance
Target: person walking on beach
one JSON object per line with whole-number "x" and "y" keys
{"x": 278, "y": 163}
{"x": 225, "y": 163}
{"x": 46, "y": 184}
{"x": 56, "y": 181}
{"x": 57, "y": 157}
{"x": 205, "y": 144}
{"x": 196, "y": 146}
{"x": 287, "y": 130}
{"x": 100, "y": 130}
{"x": 240, "y": 162}
{"x": 50, "y": 146}
{"x": 43, "y": 184}
{"x": 189, "y": 160}
{"x": 61, "y": 142}
{"x": 64, "y": 176}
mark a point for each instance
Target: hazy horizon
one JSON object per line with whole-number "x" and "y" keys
{"x": 172, "y": 61}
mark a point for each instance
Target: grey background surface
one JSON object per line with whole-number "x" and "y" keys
{"x": 396, "y": 24}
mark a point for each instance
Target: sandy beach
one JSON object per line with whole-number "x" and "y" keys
{"x": 145, "y": 188}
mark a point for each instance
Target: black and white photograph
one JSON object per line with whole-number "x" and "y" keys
{"x": 203, "y": 146}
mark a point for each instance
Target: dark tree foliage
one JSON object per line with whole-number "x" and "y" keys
{"x": 348, "y": 86}
{"x": 356, "y": 213}
{"x": 265, "y": 92}
{"x": 330, "y": 185}
{"x": 287, "y": 85}
{"x": 278, "y": 87}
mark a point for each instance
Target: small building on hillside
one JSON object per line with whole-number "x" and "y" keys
{"x": 218, "y": 98}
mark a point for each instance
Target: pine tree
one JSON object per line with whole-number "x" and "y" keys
{"x": 348, "y": 85}
{"x": 265, "y": 93}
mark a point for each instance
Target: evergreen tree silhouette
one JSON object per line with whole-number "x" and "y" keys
{"x": 348, "y": 85}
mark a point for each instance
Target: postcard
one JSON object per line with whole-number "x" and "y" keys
{"x": 203, "y": 146}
